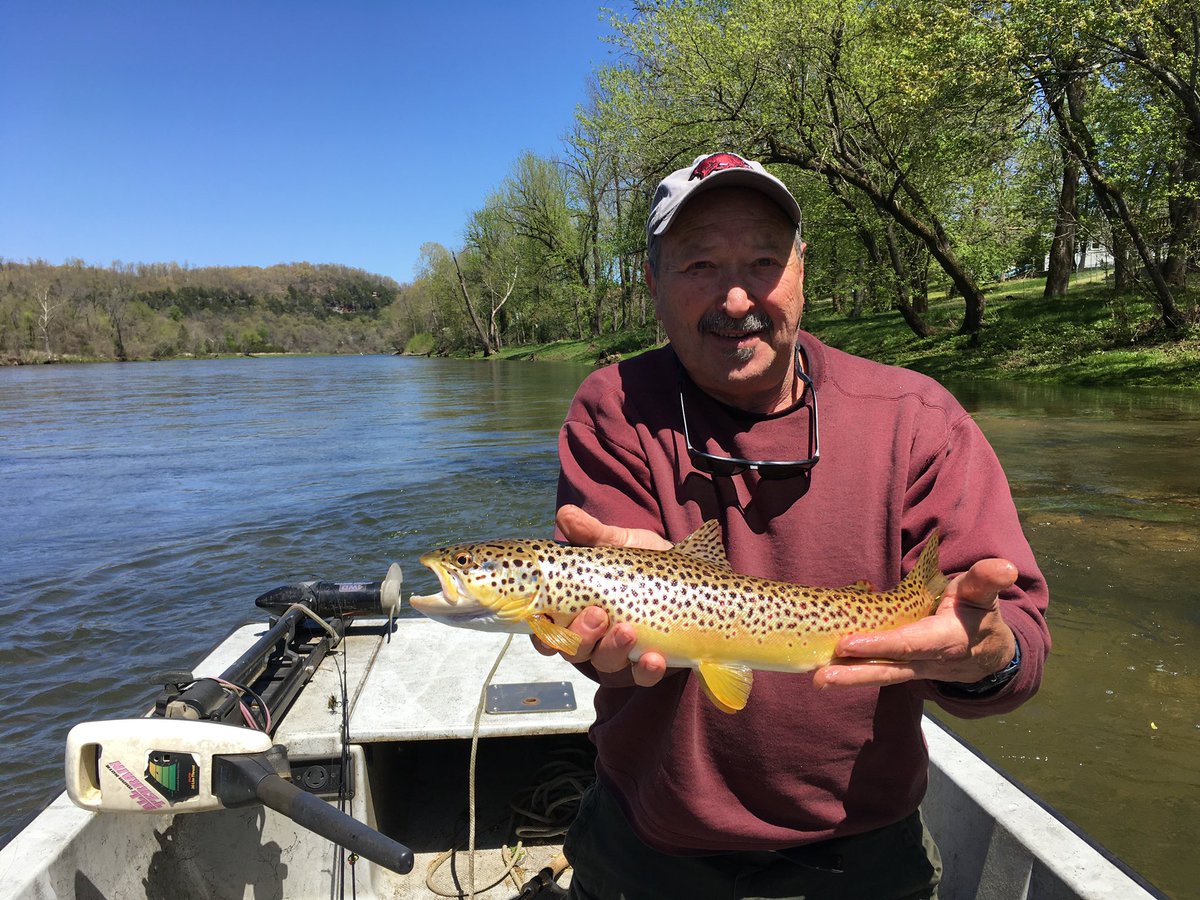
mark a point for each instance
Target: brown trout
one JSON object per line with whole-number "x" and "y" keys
{"x": 685, "y": 603}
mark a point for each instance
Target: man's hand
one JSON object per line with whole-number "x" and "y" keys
{"x": 965, "y": 640}
{"x": 607, "y": 649}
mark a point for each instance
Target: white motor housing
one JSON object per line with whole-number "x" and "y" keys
{"x": 151, "y": 765}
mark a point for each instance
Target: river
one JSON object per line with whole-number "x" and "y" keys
{"x": 144, "y": 505}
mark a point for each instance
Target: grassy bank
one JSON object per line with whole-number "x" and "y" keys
{"x": 1090, "y": 337}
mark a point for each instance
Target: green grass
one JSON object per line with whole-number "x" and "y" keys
{"x": 1090, "y": 337}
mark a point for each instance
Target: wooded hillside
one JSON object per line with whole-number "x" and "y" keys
{"x": 156, "y": 311}
{"x": 932, "y": 145}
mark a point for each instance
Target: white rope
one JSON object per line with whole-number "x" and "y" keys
{"x": 312, "y": 615}
{"x": 541, "y": 812}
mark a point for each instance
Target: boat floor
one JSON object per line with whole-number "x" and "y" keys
{"x": 526, "y": 793}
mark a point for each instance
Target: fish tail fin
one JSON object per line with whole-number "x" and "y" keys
{"x": 927, "y": 575}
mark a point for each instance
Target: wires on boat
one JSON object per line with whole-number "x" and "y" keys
{"x": 540, "y": 813}
{"x": 256, "y": 724}
{"x": 474, "y": 751}
{"x": 549, "y": 806}
{"x": 342, "y": 665}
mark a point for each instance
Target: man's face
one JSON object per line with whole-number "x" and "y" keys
{"x": 729, "y": 293}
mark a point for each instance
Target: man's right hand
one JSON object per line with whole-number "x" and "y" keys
{"x": 607, "y": 649}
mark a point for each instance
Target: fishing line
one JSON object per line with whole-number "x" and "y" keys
{"x": 343, "y": 679}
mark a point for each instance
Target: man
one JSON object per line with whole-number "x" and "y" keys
{"x": 812, "y": 790}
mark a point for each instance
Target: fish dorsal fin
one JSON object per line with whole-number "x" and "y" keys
{"x": 704, "y": 543}
{"x": 727, "y": 686}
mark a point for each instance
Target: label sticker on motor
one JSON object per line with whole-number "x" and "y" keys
{"x": 175, "y": 775}
{"x": 141, "y": 794}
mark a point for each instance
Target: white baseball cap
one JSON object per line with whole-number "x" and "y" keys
{"x": 709, "y": 171}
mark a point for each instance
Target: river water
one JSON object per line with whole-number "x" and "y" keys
{"x": 144, "y": 506}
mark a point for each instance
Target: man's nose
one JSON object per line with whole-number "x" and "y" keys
{"x": 737, "y": 301}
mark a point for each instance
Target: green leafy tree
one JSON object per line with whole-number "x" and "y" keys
{"x": 898, "y": 103}
{"x": 1118, "y": 107}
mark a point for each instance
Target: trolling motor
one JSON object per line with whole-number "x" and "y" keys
{"x": 207, "y": 744}
{"x": 338, "y": 598}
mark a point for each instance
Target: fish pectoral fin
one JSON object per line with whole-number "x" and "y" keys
{"x": 561, "y": 639}
{"x": 727, "y": 686}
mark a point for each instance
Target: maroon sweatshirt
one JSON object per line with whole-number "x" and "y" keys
{"x": 899, "y": 457}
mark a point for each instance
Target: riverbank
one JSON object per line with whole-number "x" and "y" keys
{"x": 42, "y": 358}
{"x": 1090, "y": 337}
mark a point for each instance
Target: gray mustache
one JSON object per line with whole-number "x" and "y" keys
{"x": 719, "y": 321}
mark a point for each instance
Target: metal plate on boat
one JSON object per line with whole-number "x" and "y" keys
{"x": 532, "y": 696}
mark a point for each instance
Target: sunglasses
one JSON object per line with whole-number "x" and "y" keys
{"x": 771, "y": 469}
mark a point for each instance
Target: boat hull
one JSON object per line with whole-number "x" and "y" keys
{"x": 412, "y": 697}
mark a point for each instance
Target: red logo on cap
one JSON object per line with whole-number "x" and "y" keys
{"x": 716, "y": 163}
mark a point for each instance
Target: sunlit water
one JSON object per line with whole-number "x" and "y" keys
{"x": 143, "y": 506}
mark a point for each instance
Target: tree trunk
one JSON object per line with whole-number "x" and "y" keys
{"x": 903, "y": 300}
{"x": 930, "y": 233}
{"x": 1184, "y": 212}
{"x": 1058, "y": 271}
{"x": 493, "y": 325}
{"x": 1078, "y": 138}
{"x": 488, "y": 349}
{"x": 1122, "y": 272}
{"x": 904, "y": 284}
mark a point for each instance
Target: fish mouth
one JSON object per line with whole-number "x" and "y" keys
{"x": 439, "y": 606}
{"x": 453, "y": 589}
{"x": 448, "y": 602}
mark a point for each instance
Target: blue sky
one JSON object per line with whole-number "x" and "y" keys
{"x": 251, "y": 133}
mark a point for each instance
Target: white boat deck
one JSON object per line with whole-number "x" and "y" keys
{"x": 424, "y": 684}
{"x": 412, "y": 699}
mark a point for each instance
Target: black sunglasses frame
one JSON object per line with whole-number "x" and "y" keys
{"x": 771, "y": 469}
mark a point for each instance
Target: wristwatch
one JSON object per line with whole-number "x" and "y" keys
{"x": 992, "y": 682}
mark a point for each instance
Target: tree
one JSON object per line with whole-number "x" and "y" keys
{"x": 897, "y": 102}
{"x": 485, "y": 336}
{"x": 1117, "y": 109}
{"x": 1161, "y": 40}
{"x": 1061, "y": 258}
{"x": 49, "y": 301}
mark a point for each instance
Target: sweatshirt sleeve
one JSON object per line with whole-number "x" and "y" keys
{"x": 603, "y": 467}
{"x": 962, "y": 489}
{"x": 605, "y": 473}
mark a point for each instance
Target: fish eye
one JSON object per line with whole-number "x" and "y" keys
{"x": 462, "y": 559}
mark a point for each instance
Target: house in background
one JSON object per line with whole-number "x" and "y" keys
{"x": 1089, "y": 254}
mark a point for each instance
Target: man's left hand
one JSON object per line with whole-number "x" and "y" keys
{"x": 965, "y": 640}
